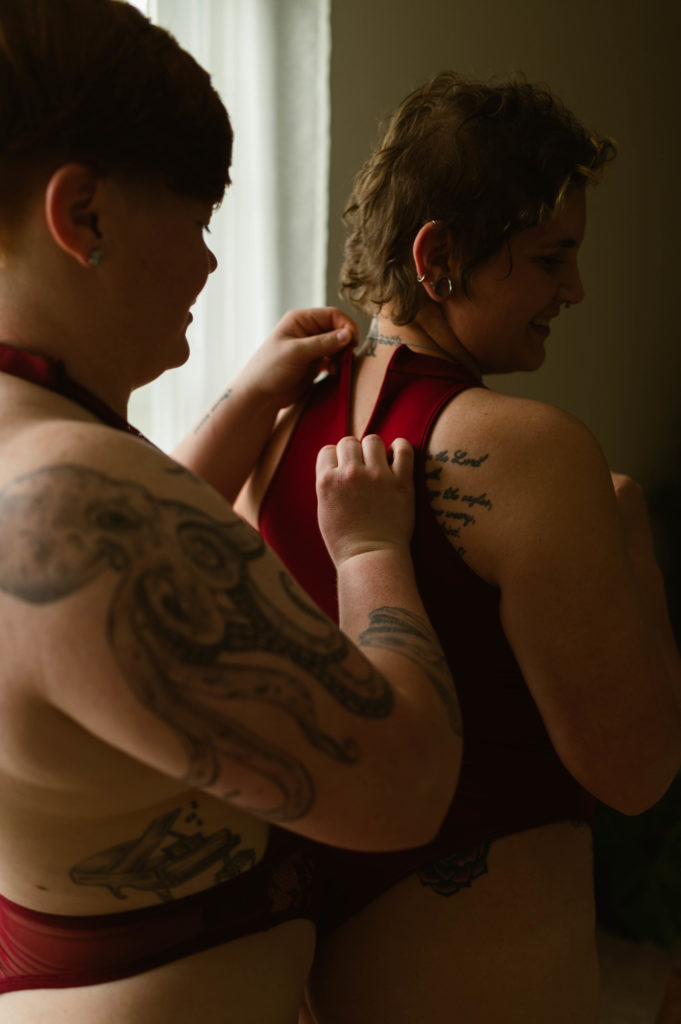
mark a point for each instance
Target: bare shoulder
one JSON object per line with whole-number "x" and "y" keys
{"x": 488, "y": 417}
{"x": 110, "y": 545}
{"x": 498, "y": 467}
{"x": 97, "y": 460}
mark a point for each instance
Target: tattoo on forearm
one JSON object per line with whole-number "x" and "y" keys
{"x": 188, "y": 624}
{"x": 204, "y": 419}
{"x": 451, "y": 874}
{"x": 456, "y": 508}
{"x": 164, "y": 857}
{"x": 401, "y": 630}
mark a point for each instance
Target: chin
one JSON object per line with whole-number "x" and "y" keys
{"x": 179, "y": 354}
{"x": 534, "y": 359}
{"x": 538, "y": 361}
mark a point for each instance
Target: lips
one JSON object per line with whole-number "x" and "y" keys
{"x": 544, "y": 321}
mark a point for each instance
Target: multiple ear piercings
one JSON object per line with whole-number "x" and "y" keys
{"x": 443, "y": 286}
{"x": 437, "y": 285}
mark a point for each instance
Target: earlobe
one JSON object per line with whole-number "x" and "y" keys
{"x": 71, "y": 214}
{"x": 431, "y": 252}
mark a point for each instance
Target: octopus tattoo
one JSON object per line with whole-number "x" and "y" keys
{"x": 186, "y": 617}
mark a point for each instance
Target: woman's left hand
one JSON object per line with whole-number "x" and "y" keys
{"x": 302, "y": 345}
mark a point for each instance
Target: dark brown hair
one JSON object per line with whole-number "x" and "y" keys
{"x": 94, "y": 81}
{"x": 486, "y": 160}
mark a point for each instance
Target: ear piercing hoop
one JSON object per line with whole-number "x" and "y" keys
{"x": 436, "y": 285}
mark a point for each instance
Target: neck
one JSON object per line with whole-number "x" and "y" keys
{"x": 427, "y": 333}
{"x": 83, "y": 367}
{"x": 52, "y": 374}
{"x": 63, "y": 320}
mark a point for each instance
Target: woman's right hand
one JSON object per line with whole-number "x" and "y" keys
{"x": 365, "y": 499}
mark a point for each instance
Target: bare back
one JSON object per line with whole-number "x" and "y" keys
{"x": 168, "y": 695}
{"x": 88, "y": 829}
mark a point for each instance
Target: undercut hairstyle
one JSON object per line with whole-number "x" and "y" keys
{"x": 484, "y": 159}
{"x": 95, "y": 82}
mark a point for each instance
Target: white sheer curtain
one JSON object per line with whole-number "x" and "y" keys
{"x": 269, "y": 62}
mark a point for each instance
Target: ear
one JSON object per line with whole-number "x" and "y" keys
{"x": 432, "y": 252}
{"x": 71, "y": 211}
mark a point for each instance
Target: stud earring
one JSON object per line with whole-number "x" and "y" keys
{"x": 95, "y": 258}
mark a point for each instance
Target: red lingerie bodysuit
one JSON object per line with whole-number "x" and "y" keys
{"x": 39, "y": 950}
{"x": 511, "y": 777}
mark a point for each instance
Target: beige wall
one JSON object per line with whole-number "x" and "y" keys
{"x": 614, "y": 361}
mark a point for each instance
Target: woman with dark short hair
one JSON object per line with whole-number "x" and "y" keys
{"x": 178, "y": 718}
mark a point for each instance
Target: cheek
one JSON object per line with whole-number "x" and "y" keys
{"x": 198, "y": 262}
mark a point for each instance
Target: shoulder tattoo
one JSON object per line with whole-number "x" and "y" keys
{"x": 188, "y": 624}
{"x": 456, "y": 508}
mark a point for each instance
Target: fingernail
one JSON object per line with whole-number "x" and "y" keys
{"x": 343, "y": 335}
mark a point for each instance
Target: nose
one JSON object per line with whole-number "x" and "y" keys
{"x": 212, "y": 261}
{"x": 571, "y": 287}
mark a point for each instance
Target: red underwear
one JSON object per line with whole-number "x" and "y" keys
{"x": 56, "y": 951}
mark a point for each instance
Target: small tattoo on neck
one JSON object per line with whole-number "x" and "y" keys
{"x": 375, "y": 338}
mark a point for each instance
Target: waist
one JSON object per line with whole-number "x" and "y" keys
{"x": 41, "y": 950}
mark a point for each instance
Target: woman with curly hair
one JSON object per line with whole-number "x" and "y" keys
{"x": 534, "y": 562}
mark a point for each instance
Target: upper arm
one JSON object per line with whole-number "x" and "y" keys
{"x": 549, "y": 537}
{"x": 161, "y": 623}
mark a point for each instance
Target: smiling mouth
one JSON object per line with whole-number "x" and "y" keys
{"x": 543, "y": 322}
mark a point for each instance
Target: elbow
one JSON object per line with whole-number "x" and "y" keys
{"x": 440, "y": 797}
{"x": 643, "y": 793}
{"x": 633, "y": 803}
{"x": 402, "y": 798}
{"x": 634, "y": 788}
{"x": 436, "y": 761}
{"x": 422, "y": 810}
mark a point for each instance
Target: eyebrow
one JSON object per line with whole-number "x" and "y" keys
{"x": 563, "y": 243}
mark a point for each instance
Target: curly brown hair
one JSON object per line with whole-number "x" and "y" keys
{"x": 94, "y": 81}
{"x": 483, "y": 159}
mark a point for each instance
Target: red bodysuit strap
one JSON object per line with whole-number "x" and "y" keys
{"x": 432, "y": 383}
{"x": 52, "y": 374}
{"x": 294, "y": 535}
